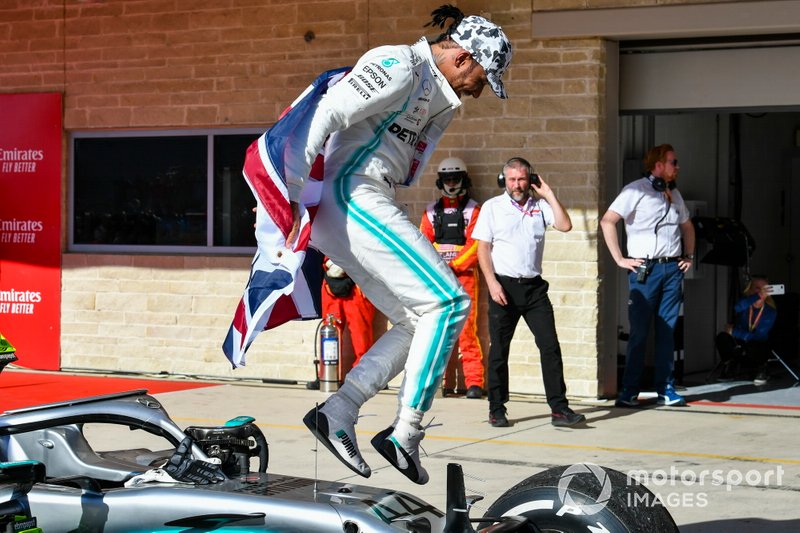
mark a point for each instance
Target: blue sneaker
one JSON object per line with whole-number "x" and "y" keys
{"x": 627, "y": 398}
{"x": 670, "y": 397}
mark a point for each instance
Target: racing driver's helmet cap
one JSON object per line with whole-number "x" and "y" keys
{"x": 490, "y": 47}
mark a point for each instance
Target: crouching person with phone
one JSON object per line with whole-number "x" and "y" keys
{"x": 510, "y": 233}
{"x": 747, "y": 339}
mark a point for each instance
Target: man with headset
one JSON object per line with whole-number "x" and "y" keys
{"x": 448, "y": 224}
{"x": 660, "y": 249}
{"x": 510, "y": 234}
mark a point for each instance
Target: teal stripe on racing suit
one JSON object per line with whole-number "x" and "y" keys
{"x": 453, "y": 302}
{"x": 384, "y": 119}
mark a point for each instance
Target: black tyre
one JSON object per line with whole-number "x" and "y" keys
{"x": 579, "y": 497}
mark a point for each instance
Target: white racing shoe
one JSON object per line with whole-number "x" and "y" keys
{"x": 339, "y": 436}
{"x": 400, "y": 446}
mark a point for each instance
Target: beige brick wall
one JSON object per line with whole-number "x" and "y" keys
{"x": 552, "y": 5}
{"x": 192, "y": 63}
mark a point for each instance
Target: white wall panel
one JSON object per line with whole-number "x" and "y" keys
{"x": 706, "y": 79}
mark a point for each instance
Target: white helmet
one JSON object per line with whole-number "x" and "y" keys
{"x": 452, "y": 164}
{"x": 453, "y": 167}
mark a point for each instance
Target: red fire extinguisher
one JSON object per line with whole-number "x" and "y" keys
{"x": 329, "y": 336}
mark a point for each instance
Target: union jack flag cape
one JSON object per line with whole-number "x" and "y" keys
{"x": 284, "y": 284}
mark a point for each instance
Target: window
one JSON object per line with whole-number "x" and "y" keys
{"x": 233, "y": 200}
{"x": 161, "y": 192}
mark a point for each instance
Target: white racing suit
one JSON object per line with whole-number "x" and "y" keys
{"x": 382, "y": 121}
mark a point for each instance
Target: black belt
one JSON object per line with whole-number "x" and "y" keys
{"x": 522, "y": 281}
{"x": 652, "y": 260}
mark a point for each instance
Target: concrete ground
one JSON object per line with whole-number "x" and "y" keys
{"x": 730, "y": 461}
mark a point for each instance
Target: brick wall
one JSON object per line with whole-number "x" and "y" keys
{"x": 194, "y": 63}
{"x": 553, "y": 5}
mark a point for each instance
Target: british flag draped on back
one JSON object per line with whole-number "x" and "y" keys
{"x": 280, "y": 288}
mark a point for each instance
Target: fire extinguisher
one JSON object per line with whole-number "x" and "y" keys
{"x": 329, "y": 336}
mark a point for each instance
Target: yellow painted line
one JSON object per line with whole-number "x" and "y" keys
{"x": 620, "y": 450}
{"x": 743, "y": 458}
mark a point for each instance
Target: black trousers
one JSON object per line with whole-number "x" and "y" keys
{"x": 528, "y": 300}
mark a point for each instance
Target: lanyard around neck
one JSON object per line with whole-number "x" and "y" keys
{"x": 750, "y": 323}
{"x": 526, "y": 209}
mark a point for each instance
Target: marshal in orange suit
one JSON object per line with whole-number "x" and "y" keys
{"x": 448, "y": 224}
{"x": 342, "y": 298}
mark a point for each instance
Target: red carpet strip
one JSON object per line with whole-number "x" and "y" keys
{"x": 26, "y": 389}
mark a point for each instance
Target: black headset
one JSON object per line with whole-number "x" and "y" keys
{"x": 660, "y": 184}
{"x": 532, "y": 177}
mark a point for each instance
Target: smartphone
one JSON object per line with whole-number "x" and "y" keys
{"x": 536, "y": 180}
{"x": 776, "y": 289}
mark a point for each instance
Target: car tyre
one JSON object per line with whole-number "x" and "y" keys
{"x": 602, "y": 499}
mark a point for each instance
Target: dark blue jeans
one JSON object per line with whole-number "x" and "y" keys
{"x": 658, "y": 298}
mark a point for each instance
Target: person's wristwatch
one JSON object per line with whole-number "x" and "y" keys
{"x": 690, "y": 257}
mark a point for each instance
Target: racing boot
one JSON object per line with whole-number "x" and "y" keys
{"x": 337, "y": 432}
{"x": 400, "y": 446}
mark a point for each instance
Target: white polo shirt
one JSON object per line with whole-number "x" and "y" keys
{"x": 516, "y": 234}
{"x": 652, "y": 224}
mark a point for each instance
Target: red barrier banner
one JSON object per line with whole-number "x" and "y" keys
{"x": 30, "y": 227}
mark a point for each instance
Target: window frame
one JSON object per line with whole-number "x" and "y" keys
{"x": 208, "y": 248}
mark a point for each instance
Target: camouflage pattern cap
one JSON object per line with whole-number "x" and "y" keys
{"x": 488, "y": 45}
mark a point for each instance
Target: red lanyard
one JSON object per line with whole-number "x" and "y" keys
{"x": 750, "y": 322}
{"x": 527, "y": 209}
